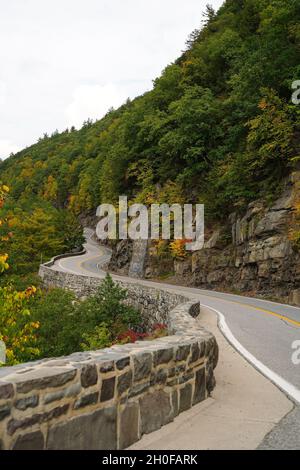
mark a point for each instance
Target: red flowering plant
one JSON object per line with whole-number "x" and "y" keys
{"x": 130, "y": 336}
{"x": 158, "y": 330}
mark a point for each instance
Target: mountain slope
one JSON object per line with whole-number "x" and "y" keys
{"x": 218, "y": 126}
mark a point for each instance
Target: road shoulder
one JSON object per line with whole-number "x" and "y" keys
{"x": 243, "y": 409}
{"x": 286, "y": 435}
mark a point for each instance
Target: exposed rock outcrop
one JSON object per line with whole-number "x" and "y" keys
{"x": 121, "y": 257}
{"x": 253, "y": 252}
{"x": 260, "y": 257}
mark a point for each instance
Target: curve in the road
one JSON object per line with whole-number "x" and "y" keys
{"x": 292, "y": 391}
{"x": 262, "y": 331}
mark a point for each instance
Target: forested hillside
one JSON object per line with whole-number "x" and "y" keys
{"x": 218, "y": 127}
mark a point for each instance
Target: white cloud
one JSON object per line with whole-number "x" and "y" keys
{"x": 6, "y": 148}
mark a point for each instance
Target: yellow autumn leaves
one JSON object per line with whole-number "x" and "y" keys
{"x": 16, "y": 329}
{"x": 3, "y": 257}
{"x": 3, "y": 263}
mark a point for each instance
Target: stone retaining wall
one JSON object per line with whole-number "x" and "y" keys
{"x": 108, "y": 399}
{"x": 154, "y": 304}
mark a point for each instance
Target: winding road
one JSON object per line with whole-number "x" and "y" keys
{"x": 262, "y": 331}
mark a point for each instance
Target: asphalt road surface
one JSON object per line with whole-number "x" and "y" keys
{"x": 262, "y": 331}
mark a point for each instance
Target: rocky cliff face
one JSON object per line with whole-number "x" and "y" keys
{"x": 253, "y": 253}
{"x": 259, "y": 257}
{"x": 121, "y": 257}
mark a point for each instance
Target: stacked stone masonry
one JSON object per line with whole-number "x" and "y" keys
{"x": 108, "y": 399}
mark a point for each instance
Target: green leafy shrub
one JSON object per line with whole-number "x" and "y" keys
{"x": 107, "y": 306}
{"x": 17, "y": 327}
{"x": 59, "y": 332}
{"x": 68, "y": 325}
{"x": 98, "y": 339}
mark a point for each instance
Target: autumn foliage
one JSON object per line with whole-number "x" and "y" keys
{"x": 4, "y": 256}
{"x": 130, "y": 336}
{"x": 17, "y": 330}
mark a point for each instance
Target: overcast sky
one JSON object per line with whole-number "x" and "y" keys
{"x": 64, "y": 61}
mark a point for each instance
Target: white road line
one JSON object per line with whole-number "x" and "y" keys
{"x": 282, "y": 384}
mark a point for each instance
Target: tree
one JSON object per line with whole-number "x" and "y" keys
{"x": 208, "y": 15}
{"x": 193, "y": 38}
{"x": 107, "y": 306}
{"x": 4, "y": 256}
{"x": 67, "y": 325}
{"x": 191, "y": 128}
{"x": 16, "y": 329}
{"x": 270, "y": 136}
{"x": 51, "y": 190}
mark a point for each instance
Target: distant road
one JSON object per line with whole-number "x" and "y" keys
{"x": 261, "y": 330}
